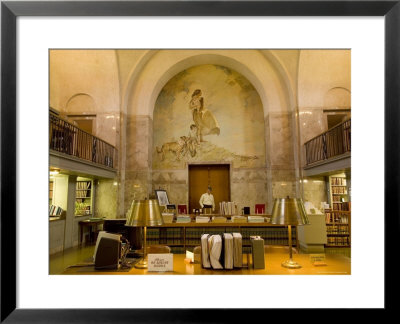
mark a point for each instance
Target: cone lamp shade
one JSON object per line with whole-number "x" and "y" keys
{"x": 289, "y": 211}
{"x": 144, "y": 213}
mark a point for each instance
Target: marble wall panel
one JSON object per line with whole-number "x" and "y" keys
{"x": 136, "y": 178}
{"x": 108, "y": 127}
{"x": 315, "y": 191}
{"x": 175, "y": 182}
{"x": 106, "y": 199}
{"x": 283, "y": 189}
{"x": 137, "y": 185}
{"x": 312, "y": 123}
{"x": 138, "y": 140}
{"x": 283, "y": 183}
{"x": 249, "y": 187}
{"x": 281, "y": 139}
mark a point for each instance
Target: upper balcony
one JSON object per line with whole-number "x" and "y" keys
{"x": 329, "y": 151}
{"x": 76, "y": 150}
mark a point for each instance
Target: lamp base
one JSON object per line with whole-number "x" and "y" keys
{"x": 141, "y": 264}
{"x": 291, "y": 264}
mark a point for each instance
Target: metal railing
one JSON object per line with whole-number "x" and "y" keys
{"x": 66, "y": 138}
{"x": 333, "y": 142}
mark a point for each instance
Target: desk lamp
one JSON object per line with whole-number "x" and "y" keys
{"x": 289, "y": 211}
{"x": 144, "y": 213}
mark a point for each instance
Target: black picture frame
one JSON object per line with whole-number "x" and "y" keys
{"x": 11, "y": 10}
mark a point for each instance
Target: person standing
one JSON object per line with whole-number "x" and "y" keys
{"x": 203, "y": 119}
{"x": 207, "y": 199}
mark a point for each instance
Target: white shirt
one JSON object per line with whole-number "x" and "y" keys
{"x": 207, "y": 199}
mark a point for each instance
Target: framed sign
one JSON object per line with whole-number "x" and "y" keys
{"x": 162, "y": 197}
{"x": 161, "y": 262}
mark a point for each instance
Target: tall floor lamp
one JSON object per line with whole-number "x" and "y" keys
{"x": 289, "y": 211}
{"x": 144, "y": 213}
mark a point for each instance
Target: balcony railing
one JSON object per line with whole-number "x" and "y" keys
{"x": 69, "y": 139}
{"x": 333, "y": 142}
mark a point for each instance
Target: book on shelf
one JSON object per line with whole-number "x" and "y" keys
{"x": 338, "y": 181}
{"x": 168, "y": 217}
{"x": 255, "y": 219}
{"x": 183, "y": 219}
{"x": 218, "y": 219}
{"x": 202, "y": 219}
{"x": 55, "y": 210}
{"x": 239, "y": 219}
{"x": 227, "y": 208}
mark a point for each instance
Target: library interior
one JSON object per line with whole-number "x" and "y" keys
{"x": 199, "y": 161}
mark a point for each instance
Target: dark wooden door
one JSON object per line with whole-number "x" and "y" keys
{"x": 202, "y": 176}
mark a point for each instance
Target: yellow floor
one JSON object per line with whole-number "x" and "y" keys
{"x": 78, "y": 255}
{"x": 60, "y": 261}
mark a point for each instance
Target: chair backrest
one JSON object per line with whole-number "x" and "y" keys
{"x": 158, "y": 249}
{"x": 182, "y": 209}
{"x": 260, "y": 209}
{"x": 197, "y": 250}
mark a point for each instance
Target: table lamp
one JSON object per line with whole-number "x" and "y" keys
{"x": 144, "y": 213}
{"x": 289, "y": 211}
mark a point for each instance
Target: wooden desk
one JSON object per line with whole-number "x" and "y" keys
{"x": 91, "y": 223}
{"x": 184, "y": 229}
{"x": 336, "y": 265}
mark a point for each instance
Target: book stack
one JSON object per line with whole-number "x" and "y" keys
{"x": 221, "y": 251}
{"x": 183, "y": 219}
{"x": 168, "y": 217}
{"x": 227, "y": 208}
{"x": 237, "y": 250}
{"x": 202, "y": 219}
{"x": 82, "y": 189}
{"x": 239, "y": 219}
{"x": 219, "y": 219}
{"x": 255, "y": 219}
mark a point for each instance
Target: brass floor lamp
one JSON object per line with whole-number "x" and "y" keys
{"x": 289, "y": 211}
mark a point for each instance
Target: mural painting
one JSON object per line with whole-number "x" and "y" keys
{"x": 201, "y": 112}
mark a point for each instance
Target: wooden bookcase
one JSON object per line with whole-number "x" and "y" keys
{"x": 185, "y": 236}
{"x": 338, "y": 191}
{"x": 83, "y": 198}
{"x": 338, "y": 228}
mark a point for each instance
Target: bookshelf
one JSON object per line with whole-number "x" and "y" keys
{"x": 338, "y": 192}
{"x": 185, "y": 236}
{"x": 338, "y": 228}
{"x": 83, "y": 197}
